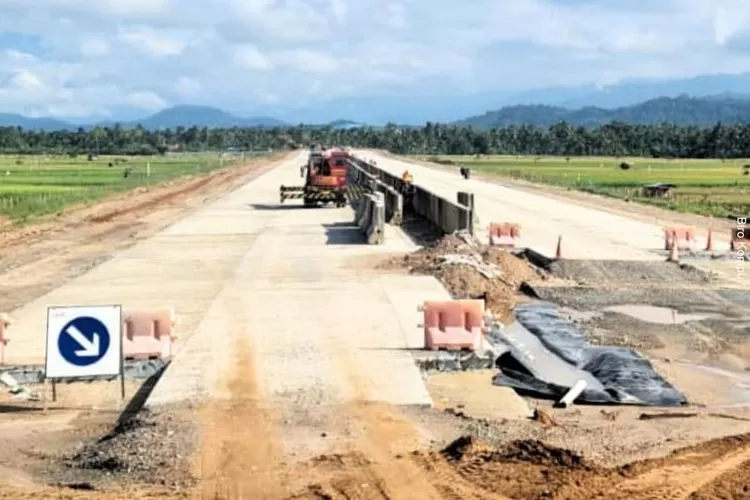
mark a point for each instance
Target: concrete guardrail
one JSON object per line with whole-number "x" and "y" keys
{"x": 394, "y": 201}
{"x": 369, "y": 215}
{"x": 448, "y": 216}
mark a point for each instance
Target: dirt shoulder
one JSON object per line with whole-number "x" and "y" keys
{"x": 42, "y": 255}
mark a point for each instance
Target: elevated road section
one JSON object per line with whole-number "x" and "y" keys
{"x": 587, "y": 233}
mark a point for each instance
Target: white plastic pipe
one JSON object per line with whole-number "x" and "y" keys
{"x": 572, "y": 394}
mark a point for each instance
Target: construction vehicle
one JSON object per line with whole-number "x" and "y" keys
{"x": 325, "y": 179}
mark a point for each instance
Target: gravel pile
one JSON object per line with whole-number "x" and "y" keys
{"x": 623, "y": 273}
{"x": 151, "y": 447}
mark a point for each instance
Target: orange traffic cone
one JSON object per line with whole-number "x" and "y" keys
{"x": 710, "y": 240}
{"x": 558, "y": 252}
{"x": 673, "y": 256}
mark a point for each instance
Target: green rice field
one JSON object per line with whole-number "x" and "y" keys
{"x": 44, "y": 184}
{"x": 707, "y": 187}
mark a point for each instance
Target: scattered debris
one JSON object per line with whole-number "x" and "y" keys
{"x": 544, "y": 417}
{"x": 17, "y": 390}
{"x": 470, "y": 269}
{"x": 654, "y": 416}
{"x": 611, "y": 415}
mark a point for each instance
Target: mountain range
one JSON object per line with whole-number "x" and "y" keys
{"x": 176, "y": 116}
{"x": 682, "y": 110}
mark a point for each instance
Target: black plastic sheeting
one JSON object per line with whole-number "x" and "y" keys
{"x": 625, "y": 375}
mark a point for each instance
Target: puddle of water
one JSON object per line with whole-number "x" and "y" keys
{"x": 658, "y": 315}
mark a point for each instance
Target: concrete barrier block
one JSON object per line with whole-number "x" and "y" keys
{"x": 358, "y": 208}
{"x": 376, "y": 229}
{"x": 394, "y": 204}
{"x": 447, "y": 215}
{"x": 149, "y": 334}
{"x": 362, "y": 210}
{"x": 454, "y": 325}
{"x": 682, "y": 237}
{"x": 367, "y": 214}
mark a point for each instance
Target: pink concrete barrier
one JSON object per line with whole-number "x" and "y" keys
{"x": 454, "y": 325}
{"x": 504, "y": 234}
{"x": 682, "y": 237}
{"x": 149, "y": 334}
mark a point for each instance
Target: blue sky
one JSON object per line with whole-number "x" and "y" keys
{"x": 86, "y": 58}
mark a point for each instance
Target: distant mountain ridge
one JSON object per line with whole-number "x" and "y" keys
{"x": 682, "y": 110}
{"x": 729, "y": 107}
{"x": 176, "y": 116}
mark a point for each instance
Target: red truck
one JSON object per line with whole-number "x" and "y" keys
{"x": 325, "y": 179}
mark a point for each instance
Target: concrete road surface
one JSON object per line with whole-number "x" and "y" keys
{"x": 288, "y": 280}
{"x": 587, "y": 233}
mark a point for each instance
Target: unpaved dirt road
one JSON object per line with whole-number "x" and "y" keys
{"x": 297, "y": 376}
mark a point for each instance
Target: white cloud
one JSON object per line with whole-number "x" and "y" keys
{"x": 394, "y": 16}
{"x": 96, "y": 57}
{"x": 187, "y": 87}
{"x": 146, "y": 100}
{"x": 338, "y": 10}
{"x": 25, "y": 80}
{"x": 307, "y": 61}
{"x": 155, "y": 42}
{"x": 248, "y": 56}
{"x": 95, "y": 47}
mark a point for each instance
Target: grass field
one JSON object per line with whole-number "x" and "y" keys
{"x": 38, "y": 185}
{"x": 706, "y": 187}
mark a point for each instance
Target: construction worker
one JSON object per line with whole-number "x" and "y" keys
{"x": 407, "y": 189}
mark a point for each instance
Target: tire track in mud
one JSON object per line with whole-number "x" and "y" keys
{"x": 377, "y": 466}
{"x": 383, "y": 427}
{"x": 241, "y": 453}
{"x": 699, "y": 469}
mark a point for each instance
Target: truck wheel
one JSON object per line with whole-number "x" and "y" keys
{"x": 309, "y": 203}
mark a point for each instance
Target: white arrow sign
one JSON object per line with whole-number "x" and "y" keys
{"x": 90, "y": 348}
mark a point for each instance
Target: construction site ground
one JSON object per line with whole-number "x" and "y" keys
{"x": 320, "y": 416}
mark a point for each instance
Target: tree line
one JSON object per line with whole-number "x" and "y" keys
{"x": 562, "y": 139}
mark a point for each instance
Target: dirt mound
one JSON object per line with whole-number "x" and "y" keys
{"x": 535, "y": 470}
{"x": 151, "y": 448}
{"x": 471, "y": 270}
{"x": 466, "y": 449}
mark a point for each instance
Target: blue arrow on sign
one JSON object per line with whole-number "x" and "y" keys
{"x": 83, "y": 341}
